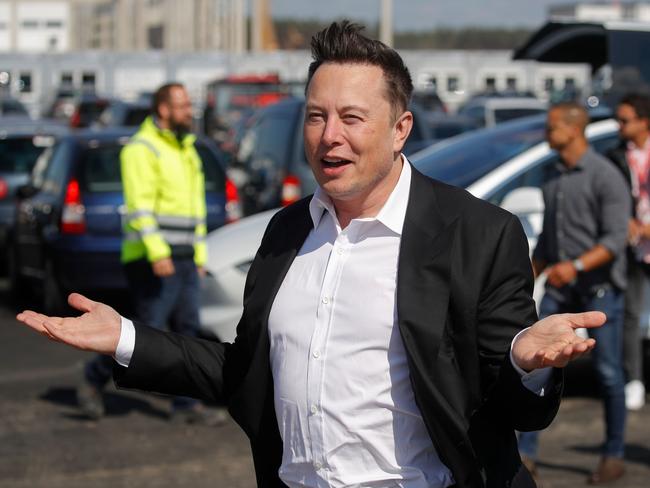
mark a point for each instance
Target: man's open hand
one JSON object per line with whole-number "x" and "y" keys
{"x": 553, "y": 341}
{"x": 98, "y": 329}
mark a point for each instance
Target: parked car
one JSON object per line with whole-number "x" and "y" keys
{"x": 505, "y": 165}
{"x": 119, "y": 113}
{"x": 272, "y": 155}
{"x": 79, "y": 110}
{"x": 68, "y": 227}
{"x": 22, "y": 141}
{"x": 12, "y": 107}
{"x": 443, "y": 125}
{"x": 491, "y": 110}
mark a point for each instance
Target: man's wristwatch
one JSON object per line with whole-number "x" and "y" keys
{"x": 577, "y": 264}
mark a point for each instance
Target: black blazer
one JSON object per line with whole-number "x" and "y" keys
{"x": 463, "y": 291}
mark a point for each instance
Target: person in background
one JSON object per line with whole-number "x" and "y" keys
{"x": 582, "y": 252}
{"x": 632, "y": 157}
{"x": 389, "y": 336}
{"x": 163, "y": 247}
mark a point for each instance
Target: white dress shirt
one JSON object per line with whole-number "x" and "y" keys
{"x": 343, "y": 398}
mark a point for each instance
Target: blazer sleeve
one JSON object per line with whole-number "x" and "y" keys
{"x": 174, "y": 364}
{"x": 505, "y": 307}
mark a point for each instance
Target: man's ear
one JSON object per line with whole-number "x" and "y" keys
{"x": 163, "y": 111}
{"x": 403, "y": 126}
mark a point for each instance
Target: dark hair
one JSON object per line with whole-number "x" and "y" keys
{"x": 342, "y": 42}
{"x": 573, "y": 113}
{"x": 640, "y": 103}
{"x": 161, "y": 95}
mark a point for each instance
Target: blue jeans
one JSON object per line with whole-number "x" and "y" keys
{"x": 159, "y": 302}
{"x": 607, "y": 360}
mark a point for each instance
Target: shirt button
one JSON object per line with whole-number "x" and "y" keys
{"x": 340, "y": 251}
{"x": 316, "y": 354}
{"x": 317, "y": 465}
{"x": 326, "y": 300}
{"x": 314, "y": 409}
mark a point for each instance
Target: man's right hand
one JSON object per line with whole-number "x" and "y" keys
{"x": 98, "y": 329}
{"x": 163, "y": 267}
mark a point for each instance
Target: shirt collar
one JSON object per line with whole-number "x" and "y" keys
{"x": 633, "y": 147}
{"x": 393, "y": 212}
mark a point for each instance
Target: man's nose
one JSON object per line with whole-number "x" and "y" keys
{"x": 333, "y": 131}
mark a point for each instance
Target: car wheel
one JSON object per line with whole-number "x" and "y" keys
{"x": 53, "y": 294}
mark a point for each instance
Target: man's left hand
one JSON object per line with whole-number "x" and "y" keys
{"x": 553, "y": 341}
{"x": 561, "y": 274}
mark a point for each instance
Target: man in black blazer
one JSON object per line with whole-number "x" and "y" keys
{"x": 391, "y": 298}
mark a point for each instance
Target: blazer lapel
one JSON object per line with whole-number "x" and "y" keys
{"x": 423, "y": 274}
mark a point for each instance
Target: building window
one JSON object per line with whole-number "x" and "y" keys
{"x": 54, "y": 24}
{"x": 453, "y": 84}
{"x": 155, "y": 36}
{"x": 569, "y": 83}
{"x": 66, "y": 80}
{"x": 490, "y": 84}
{"x": 29, "y": 24}
{"x": 88, "y": 80}
{"x": 25, "y": 82}
{"x": 511, "y": 83}
{"x": 549, "y": 85}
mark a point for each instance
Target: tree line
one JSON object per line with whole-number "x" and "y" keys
{"x": 295, "y": 34}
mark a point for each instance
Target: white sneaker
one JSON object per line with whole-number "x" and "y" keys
{"x": 634, "y": 395}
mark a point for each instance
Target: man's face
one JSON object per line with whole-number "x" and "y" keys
{"x": 630, "y": 124}
{"x": 559, "y": 134}
{"x": 176, "y": 113}
{"x": 352, "y": 141}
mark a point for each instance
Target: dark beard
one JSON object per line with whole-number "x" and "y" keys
{"x": 180, "y": 130}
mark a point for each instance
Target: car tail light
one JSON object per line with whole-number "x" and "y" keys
{"x": 75, "y": 119}
{"x": 290, "y": 190}
{"x": 233, "y": 205}
{"x": 4, "y": 189}
{"x": 73, "y": 218}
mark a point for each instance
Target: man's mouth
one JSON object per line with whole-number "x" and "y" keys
{"x": 334, "y": 163}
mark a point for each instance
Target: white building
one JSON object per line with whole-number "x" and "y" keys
{"x": 601, "y": 11}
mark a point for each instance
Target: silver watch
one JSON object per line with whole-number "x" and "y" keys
{"x": 578, "y": 265}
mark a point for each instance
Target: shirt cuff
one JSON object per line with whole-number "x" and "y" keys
{"x": 538, "y": 380}
{"x": 126, "y": 344}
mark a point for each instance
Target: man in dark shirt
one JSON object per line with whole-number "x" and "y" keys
{"x": 582, "y": 252}
{"x": 632, "y": 158}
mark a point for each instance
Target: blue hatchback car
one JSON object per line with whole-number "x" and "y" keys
{"x": 68, "y": 228}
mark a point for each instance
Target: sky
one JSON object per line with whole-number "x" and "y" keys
{"x": 423, "y": 14}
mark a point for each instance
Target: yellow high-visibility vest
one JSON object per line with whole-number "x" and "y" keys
{"x": 164, "y": 194}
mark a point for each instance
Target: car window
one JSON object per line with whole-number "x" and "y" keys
{"x": 99, "y": 171}
{"x": 13, "y": 107}
{"x": 19, "y": 154}
{"x": 272, "y": 136}
{"x": 50, "y": 172}
{"x": 503, "y": 114}
{"x": 470, "y": 157}
{"x": 215, "y": 178}
{"x": 135, "y": 116}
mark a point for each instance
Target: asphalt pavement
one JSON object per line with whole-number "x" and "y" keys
{"x": 45, "y": 442}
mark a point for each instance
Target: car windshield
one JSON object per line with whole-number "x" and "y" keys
{"x": 464, "y": 160}
{"x": 19, "y": 154}
{"x": 503, "y": 114}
